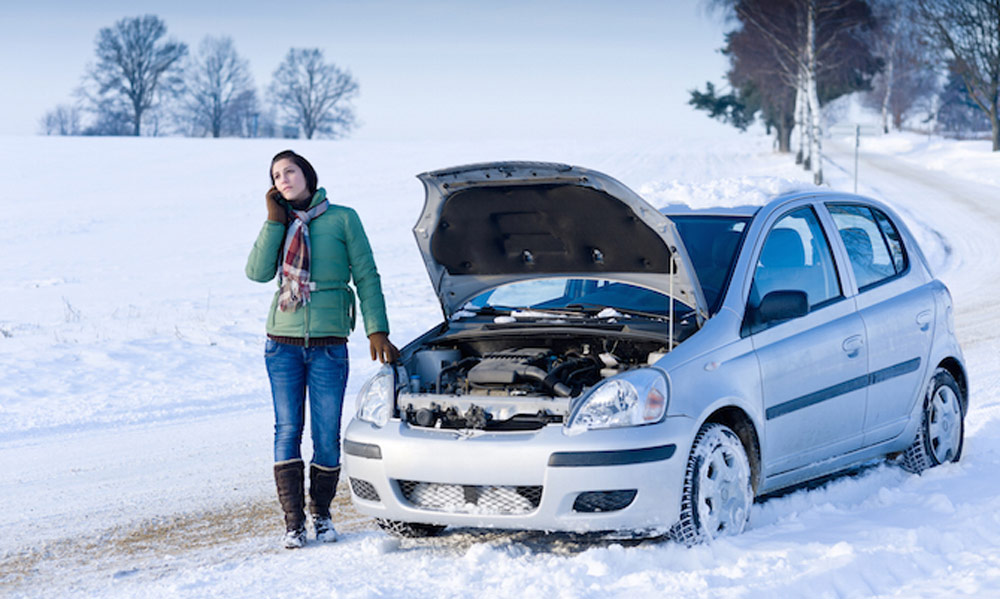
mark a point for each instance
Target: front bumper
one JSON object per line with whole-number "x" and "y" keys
{"x": 619, "y": 479}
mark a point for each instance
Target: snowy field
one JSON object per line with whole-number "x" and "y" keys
{"x": 135, "y": 422}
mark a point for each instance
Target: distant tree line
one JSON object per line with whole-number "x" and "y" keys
{"x": 144, "y": 84}
{"x": 789, "y": 58}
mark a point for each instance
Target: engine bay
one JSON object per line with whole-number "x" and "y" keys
{"x": 512, "y": 382}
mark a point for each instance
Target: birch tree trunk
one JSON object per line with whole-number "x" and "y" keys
{"x": 994, "y": 112}
{"x": 995, "y": 126}
{"x": 815, "y": 129}
{"x": 889, "y": 68}
{"x": 800, "y": 119}
{"x": 807, "y": 125}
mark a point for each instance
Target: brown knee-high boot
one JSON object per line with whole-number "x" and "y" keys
{"x": 322, "y": 488}
{"x": 289, "y": 477}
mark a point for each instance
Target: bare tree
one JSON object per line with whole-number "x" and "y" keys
{"x": 62, "y": 120}
{"x": 810, "y": 39}
{"x": 219, "y": 87}
{"x": 134, "y": 68}
{"x": 760, "y": 80}
{"x": 110, "y": 118}
{"x": 314, "y": 95}
{"x": 813, "y": 47}
{"x": 909, "y": 76}
{"x": 958, "y": 115}
{"x": 967, "y": 33}
{"x": 252, "y": 120}
{"x": 886, "y": 39}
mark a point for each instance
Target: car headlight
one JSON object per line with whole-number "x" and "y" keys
{"x": 376, "y": 397}
{"x": 631, "y": 399}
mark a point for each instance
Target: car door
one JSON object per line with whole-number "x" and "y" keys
{"x": 898, "y": 313}
{"x": 814, "y": 367}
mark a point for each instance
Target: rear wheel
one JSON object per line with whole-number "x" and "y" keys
{"x": 941, "y": 433}
{"x": 409, "y": 530}
{"x": 717, "y": 490}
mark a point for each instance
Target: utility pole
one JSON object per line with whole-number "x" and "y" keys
{"x": 857, "y": 146}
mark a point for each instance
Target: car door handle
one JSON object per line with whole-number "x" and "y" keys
{"x": 853, "y": 344}
{"x": 924, "y": 320}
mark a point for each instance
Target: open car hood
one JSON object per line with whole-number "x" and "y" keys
{"x": 484, "y": 225}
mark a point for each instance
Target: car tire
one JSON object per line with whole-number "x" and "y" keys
{"x": 941, "y": 433}
{"x": 717, "y": 487}
{"x": 409, "y": 530}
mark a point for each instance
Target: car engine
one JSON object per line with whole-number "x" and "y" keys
{"x": 491, "y": 384}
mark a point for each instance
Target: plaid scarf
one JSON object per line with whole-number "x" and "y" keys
{"x": 294, "y": 274}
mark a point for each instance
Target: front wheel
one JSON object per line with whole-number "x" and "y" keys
{"x": 941, "y": 433}
{"x": 717, "y": 489}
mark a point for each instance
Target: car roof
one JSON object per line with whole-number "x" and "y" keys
{"x": 685, "y": 210}
{"x": 750, "y": 210}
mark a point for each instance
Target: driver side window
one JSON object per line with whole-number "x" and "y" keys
{"x": 796, "y": 256}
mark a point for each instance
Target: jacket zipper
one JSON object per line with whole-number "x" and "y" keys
{"x": 307, "y": 324}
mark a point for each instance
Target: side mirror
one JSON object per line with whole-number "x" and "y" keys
{"x": 782, "y": 305}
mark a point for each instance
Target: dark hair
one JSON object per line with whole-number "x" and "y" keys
{"x": 302, "y": 163}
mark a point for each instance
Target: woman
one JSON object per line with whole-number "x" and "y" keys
{"x": 314, "y": 248}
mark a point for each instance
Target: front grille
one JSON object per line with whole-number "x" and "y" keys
{"x": 603, "y": 501}
{"x": 364, "y": 490}
{"x": 471, "y": 499}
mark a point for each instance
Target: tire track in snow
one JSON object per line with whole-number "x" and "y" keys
{"x": 155, "y": 548}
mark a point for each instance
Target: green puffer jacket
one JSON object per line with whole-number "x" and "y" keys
{"x": 339, "y": 252}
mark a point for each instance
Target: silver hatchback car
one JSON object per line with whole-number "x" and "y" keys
{"x": 603, "y": 366}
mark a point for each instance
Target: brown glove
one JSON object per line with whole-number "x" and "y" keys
{"x": 275, "y": 211}
{"x": 382, "y": 349}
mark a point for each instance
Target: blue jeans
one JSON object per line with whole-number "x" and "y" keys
{"x": 321, "y": 370}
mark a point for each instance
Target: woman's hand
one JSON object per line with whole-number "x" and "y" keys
{"x": 382, "y": 349}
{"x": 275, "y": 211}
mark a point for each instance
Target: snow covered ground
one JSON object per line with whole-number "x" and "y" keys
{"x": 135, "y": 418}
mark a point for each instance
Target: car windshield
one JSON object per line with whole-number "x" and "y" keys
{"x": 712, "y": 243}
{"x": 590, "y": 296}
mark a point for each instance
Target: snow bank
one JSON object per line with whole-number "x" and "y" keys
{"x": 971, "y": 160}
{"x": 720, "y": 193}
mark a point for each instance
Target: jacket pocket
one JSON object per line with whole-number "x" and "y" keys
{"x": 331, "y": 311}
{"x": 337, "y": 354}
{"x": 286, "y": 324}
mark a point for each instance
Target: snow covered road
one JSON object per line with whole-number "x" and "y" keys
{"x": 963, "y": 216}
{"x": 120, "y": 500}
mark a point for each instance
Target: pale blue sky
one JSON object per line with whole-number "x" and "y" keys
{"x": 441, "y": 69}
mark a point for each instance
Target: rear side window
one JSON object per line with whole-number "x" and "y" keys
{"x": 892, "y": 238}
{"x": 872, "y": 241}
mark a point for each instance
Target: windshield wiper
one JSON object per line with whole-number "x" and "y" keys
{"x": 491, "y": 310}
{"x": 580, "y": 310}
{"x": 594, "y": 309}
{"x": 527, "y": 312}
{"x": 467, "y": 311}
